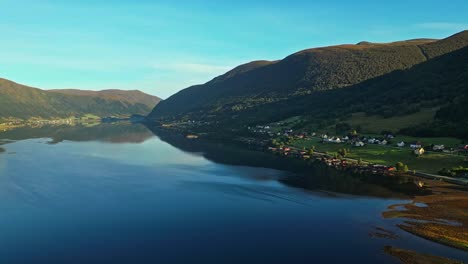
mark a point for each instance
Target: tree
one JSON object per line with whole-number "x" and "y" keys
{"x": 405, "y": 168}
{"x": 399, "y": 166}
{"x": 311, "y": 151}
{"x": 274, "y": 142}
{"x": 341, "y": 128}
{"x": 343, "y": 152}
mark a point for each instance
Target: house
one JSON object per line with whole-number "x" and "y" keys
{"x": 438, "y": 147}
{"x": 371, "y": 141}
{"x": 416, "y": 145}
{"x": 334, "y": 140}
{"x": 419, "y": 151}
{"x": 383, "y": 142}
{"x": 401, "y": 144}
{"x": 462, "y": 149}
{"x": 359, "y": 144}
{"x": 346, "y": 138}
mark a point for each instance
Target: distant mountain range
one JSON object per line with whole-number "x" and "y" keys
{"x": 20, "y": 101}
{"x": 328, "y": 85}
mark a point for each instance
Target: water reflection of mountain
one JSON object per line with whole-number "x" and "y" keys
{"x": 304, "y": 176}
{"x": 106, "y": 132}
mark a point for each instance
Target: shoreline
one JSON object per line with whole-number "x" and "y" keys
{"x": 260, "y": 145}
{"x": 444, "y": 192}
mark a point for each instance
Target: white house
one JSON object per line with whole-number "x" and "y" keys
{"x": 419, "y": 151}
{"x": 371, "y": 141}
{"x": 415, "y": 145}
{"x": 401, "y": 144}
{"x": 438, "y": 147}
{"x": 359, "y": 144}
{"x": 383, "y": 142}
{"x": 334, "y": 140}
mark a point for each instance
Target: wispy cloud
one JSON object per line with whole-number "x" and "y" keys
{"x": 443, "y": 26}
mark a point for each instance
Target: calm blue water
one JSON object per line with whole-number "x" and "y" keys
{"x": 116, "y": 195}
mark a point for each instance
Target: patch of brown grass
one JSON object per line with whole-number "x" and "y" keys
{"x": 443, "y": 220}
{"x": 411, "y": 257}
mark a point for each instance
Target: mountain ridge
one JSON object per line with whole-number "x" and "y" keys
{"x": 23, "y": 102}
{"x": 302, "y": 73}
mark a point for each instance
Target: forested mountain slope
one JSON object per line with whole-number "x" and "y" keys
{"x": 20, "y": 101}
{"x": 301, "y": 74}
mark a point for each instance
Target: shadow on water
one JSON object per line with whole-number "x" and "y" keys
{"x": 313, "y": 177}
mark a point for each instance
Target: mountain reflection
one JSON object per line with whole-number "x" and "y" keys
{"x": 306, "y": 177}
{"x": 105, "y": 132}
{"x": 312, "y": 178}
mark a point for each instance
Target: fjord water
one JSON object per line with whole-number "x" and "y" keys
{"x": 117, "y": 193}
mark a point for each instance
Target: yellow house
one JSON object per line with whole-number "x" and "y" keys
{"x": 419, "y": 151}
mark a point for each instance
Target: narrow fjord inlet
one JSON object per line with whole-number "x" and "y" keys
{"x": 197, "y": 131}
{"x": 161, "y": 193}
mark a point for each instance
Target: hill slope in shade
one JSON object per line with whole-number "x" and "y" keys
{"x": 129, "y": 96}
{"x": 20, "y": 101}
{"x": 301, "y": 74}
{"x": 440, "y": 83}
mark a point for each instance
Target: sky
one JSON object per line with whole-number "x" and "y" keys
{"x": 161, "y": 47}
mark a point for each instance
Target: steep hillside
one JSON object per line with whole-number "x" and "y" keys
{"x": 304, "y": 73}
{"x": 130, "y": 96}
{"x": 440, "y": 83}
{"x": 19, "y": 101}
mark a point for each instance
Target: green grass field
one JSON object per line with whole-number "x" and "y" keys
{"x": 387, "y": 155}
{"x": 376, "y": 124}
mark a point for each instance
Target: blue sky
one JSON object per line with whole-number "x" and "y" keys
{"x": 161, "y": 47}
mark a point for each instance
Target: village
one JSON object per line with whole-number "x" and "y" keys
{"x": 384, "y": 154}
{"x": 33, "y": 123}
{"x": 12, "y": 123}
